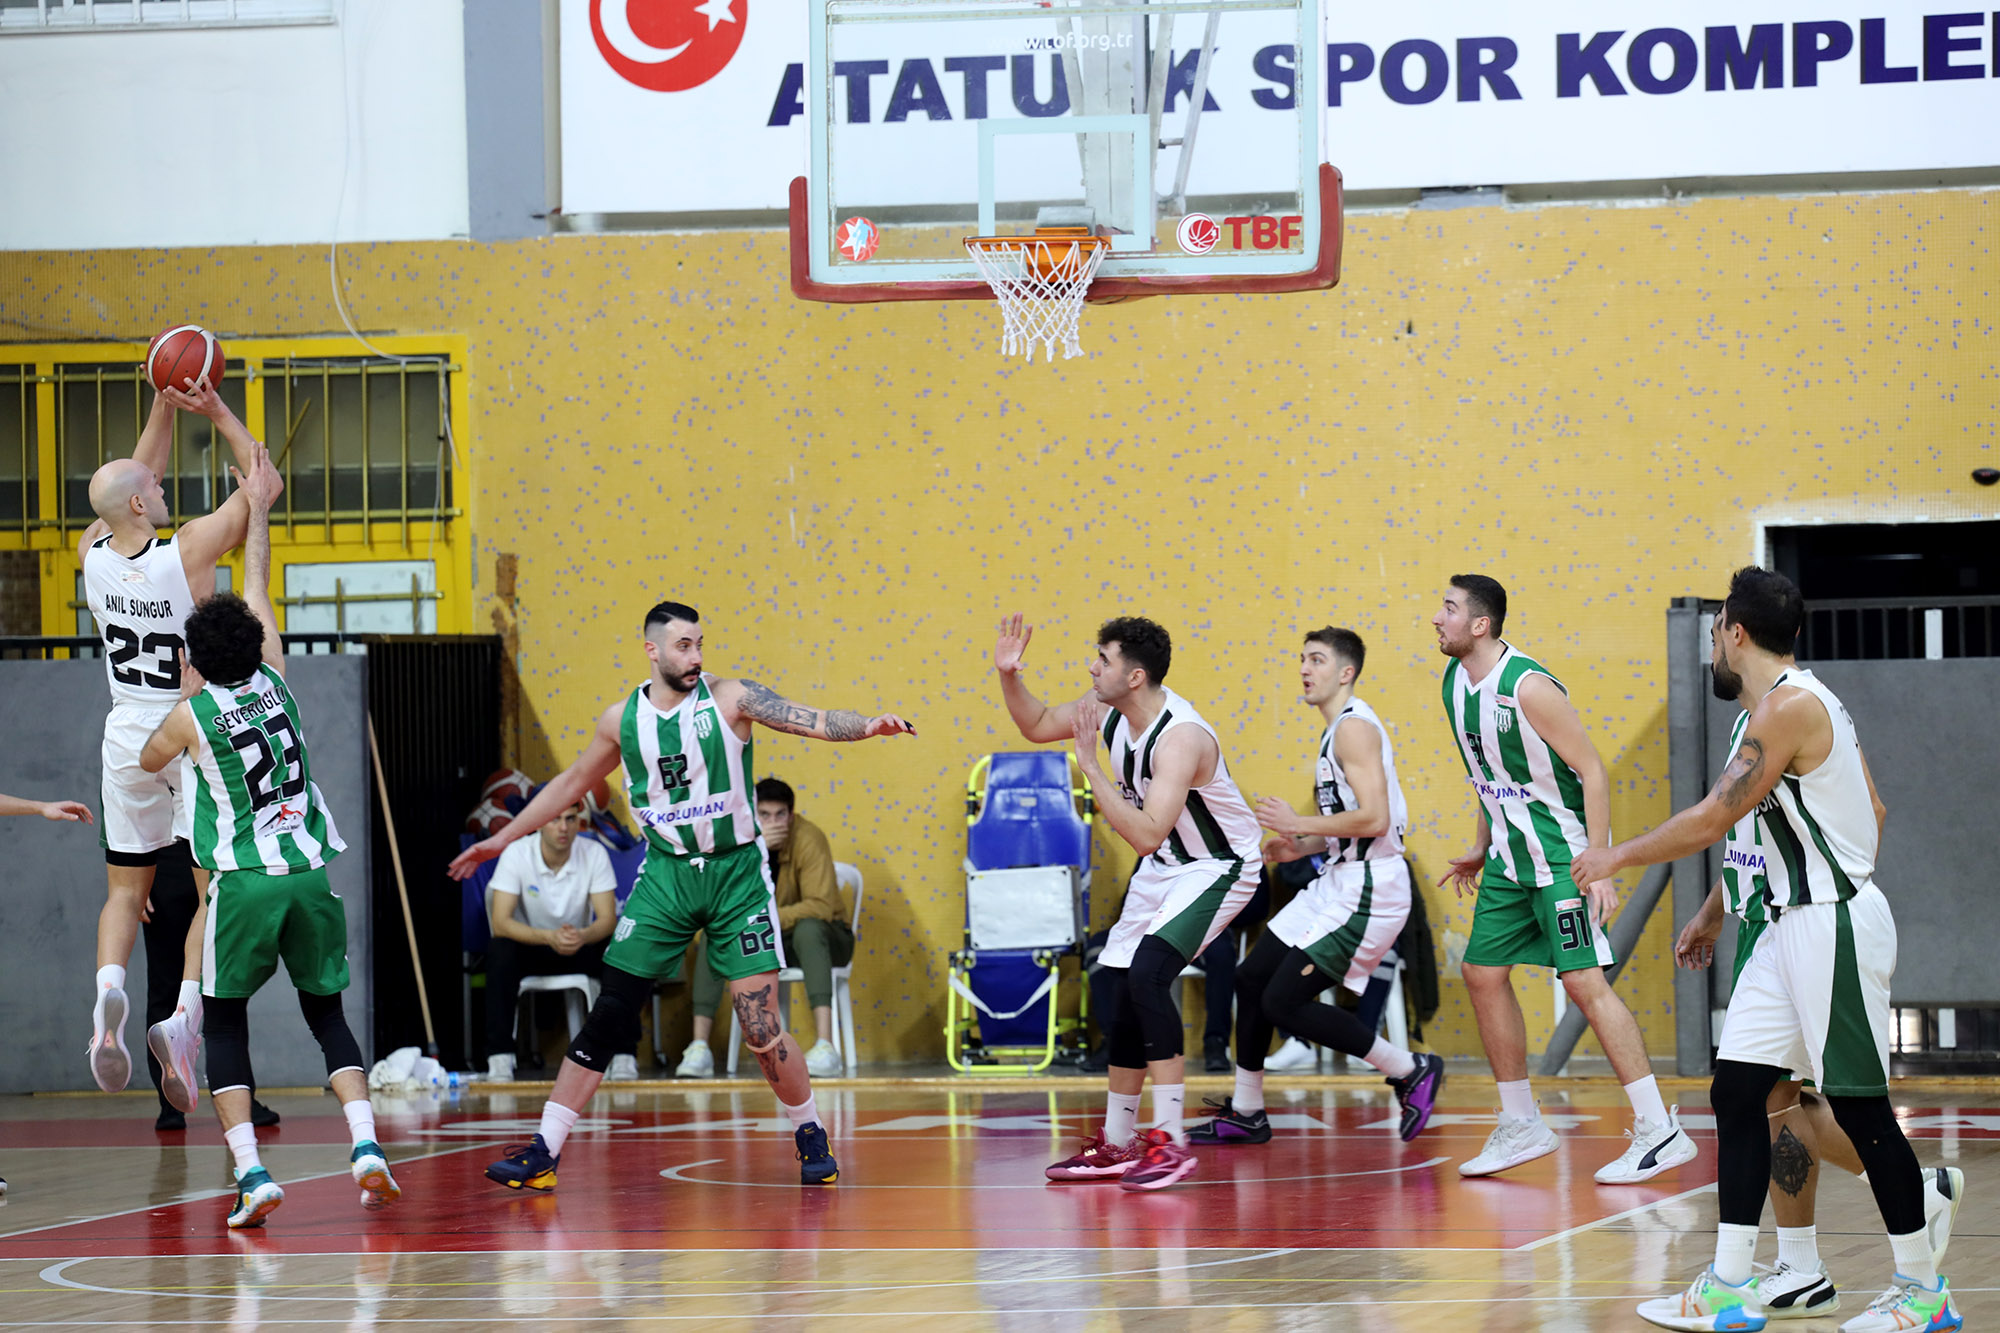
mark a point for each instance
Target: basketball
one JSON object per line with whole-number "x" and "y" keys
{"x": 505, "y": 782}
{"x": 597, "y": 800}
{"x": 185, "y": 357}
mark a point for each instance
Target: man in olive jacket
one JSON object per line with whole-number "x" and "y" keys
{"x": 811, "y": 917}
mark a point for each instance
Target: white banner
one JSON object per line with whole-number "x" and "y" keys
{"x": 674, "y": 106}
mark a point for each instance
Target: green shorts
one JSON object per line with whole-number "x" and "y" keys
{"x": 255, "y": 919}
{"x": 728, "y": 897}
{"x": 1540, "y": 927}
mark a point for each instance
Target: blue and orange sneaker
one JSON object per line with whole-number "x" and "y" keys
{"x": 816, "y": 1164}
{"x": 1231, "y": 1125}
{"x": 1709, "y": 1305}
{"x": 1417, "y": 1094}
{"x": 257, "y": 1197}
{"x": 1909, "y": 1305}
{"x": 526, "y": 1166}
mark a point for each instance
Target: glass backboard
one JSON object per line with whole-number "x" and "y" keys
{"x": 1186, "y": 134}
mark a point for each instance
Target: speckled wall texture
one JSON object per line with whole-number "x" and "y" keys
{"x": 1597, "y": 406}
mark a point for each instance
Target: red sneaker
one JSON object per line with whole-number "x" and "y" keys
{"x": 1165, "y": 1163}
{"x": 1098, "y": 1161}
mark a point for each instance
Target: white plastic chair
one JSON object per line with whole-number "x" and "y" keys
{"x": 849, "y": 879}
{"x": 579, "y": 996}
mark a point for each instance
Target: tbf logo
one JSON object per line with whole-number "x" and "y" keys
{"x": 668, "y": 46}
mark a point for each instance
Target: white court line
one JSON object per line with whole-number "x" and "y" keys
{"x": 202, "y": 1196}
{"x": 53, "y": 1275}
{"x": 673, "y": 1173}
{"x": 1615, "y": 1217}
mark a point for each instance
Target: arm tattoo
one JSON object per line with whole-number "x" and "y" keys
{"x": 1734, "y": 786}
{"x": 1791, "y": 1164}
{"x": 844, "y": 724}
{"x": 761, "y": 704}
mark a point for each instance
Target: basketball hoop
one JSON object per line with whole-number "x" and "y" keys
{"x": 1039, "y": 282}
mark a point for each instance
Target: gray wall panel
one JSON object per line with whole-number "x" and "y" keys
{"x": 1932, "y": 738}
{"x": 52, "y": 875}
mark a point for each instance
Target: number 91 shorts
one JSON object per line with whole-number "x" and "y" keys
{"x": 1547, "y": 927}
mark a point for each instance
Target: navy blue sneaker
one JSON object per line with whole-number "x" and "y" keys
{"x": 816, "y": 1164}
{"x": 527, "y": 1166}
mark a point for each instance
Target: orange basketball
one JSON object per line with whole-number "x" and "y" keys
{"x": 185, "y": 357}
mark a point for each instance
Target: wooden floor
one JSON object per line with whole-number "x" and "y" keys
{"x": 683, "y": 1209}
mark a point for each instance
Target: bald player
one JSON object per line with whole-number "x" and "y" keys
{"x": 141, "y": 587}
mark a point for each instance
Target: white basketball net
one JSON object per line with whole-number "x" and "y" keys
{"x": 1040, "y": 286}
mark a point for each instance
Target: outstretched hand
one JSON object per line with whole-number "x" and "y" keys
{"x": 1015, "y": 632}
{"x": 203, "y": 400}
{"x": 1465, "y": 872}
{"x": 263, "y": 485}
{"x": 68, "y": 811}
{"x": 469, "y": 860}
{"x": 1089, "y": 717}
{"x": 888, "y": 724}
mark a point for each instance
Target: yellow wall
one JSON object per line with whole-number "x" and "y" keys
{"x": 1597, "y": 406}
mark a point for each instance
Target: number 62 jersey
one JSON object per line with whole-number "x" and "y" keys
{"x": 253, "y": 804}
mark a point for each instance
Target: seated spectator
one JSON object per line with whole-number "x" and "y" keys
{"x": 817, "y": 934}
{"x": 553, "y": 904}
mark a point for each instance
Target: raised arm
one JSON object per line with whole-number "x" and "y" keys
{"x": 561, "y": 792}
{"x": 204, "y": 541}
{"x": 207, "y": 402}
{"x": 155, "y": 449}
{"x": 1183, "y": 759}
{"x": 1036, "y": 720}
{"x": 1783, "y": 724}
{"x": 259, "y": 489}
{"x": 746, "y": 699}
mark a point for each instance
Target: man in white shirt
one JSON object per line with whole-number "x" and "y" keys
{"x": 552, "y": 905}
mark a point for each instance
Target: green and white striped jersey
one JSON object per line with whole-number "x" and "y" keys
{"x": 687, "y": 777}
{"x": 1216, "y": 823}
{"x": 1744, "y": 881}
{"x": 1533, "y": 800}
{"x": 254, "y": 805}
{"x": 1819, "y": 832}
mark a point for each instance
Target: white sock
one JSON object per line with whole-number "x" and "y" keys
{"x": 111, "y": 975}
{"x": 805, "y": 1113}
{"x": 1645, "y": 1098}
{"x": 1913, "y": 1258}
{"x": 1518, "y": 1100}
{"x": 242, "y": 1141}
{"x": 361, "y": 1120}
{"x": 1735, "y": 1246}
{"x": 1799, "y": 1247}
{"x": 1121, "y": 1118}
{"x": 557, "y": 1121}
{"x": 1391, "y": 1060}
{"x": 1168, "y": 1101}
{"x": 190, "y": 1000}
{"x": 1249, "y": 1094}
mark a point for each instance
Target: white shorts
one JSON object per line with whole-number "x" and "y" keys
{"x": 1187, "y": 906}
{"x": 1814, "y": 997}
{"x": 142, "y": 811}
{"x": 1349, "y": 917}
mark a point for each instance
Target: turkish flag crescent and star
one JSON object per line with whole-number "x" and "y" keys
{"x": 668, "y": 46}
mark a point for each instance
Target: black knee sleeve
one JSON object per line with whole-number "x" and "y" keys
{"x": 225, "y": 1030}
{"x": 613, "y": 1025}
{"x": 1124, "y": 1047}
{"x": 329, "y": 1028}
{"x": 1291, "y": 1001}
{"x": 1739, "y": 1094}
{"x": 1253, "y": 975}
{"x": 1893, "y": 1173}
{"x": 1154, "y": 967}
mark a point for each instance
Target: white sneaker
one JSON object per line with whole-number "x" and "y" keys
{"x": 1516, "y": 1139}
{"x": 1709, "y": 1305}
{"x": 822, "y": 1061}
{"x": 174, "y": 1045}
{"x": 500, "y": 1069}
{"x": 1294, "y": 1054}
{"x": 624, "y": 1069}
{"x": 697, "y": 1061}
{"x": 110, "y": 1062}
{"x": 1944, "y": 1190}
{"x": 1786, "y": 1292}
{"x": 1654, "y": 1148}
{"x": 1908, "y": 1305}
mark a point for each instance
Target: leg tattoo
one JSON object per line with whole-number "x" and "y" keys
{"x": 1790, "y": 1162}
{"x": 759, "y": 1021}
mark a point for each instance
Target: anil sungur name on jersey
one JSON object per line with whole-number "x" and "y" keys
{"x": 150, "y": 610}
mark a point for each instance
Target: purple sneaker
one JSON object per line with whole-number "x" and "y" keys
{"x": 1231, "y": 1125}
{"x": 1417, "y": 1093}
